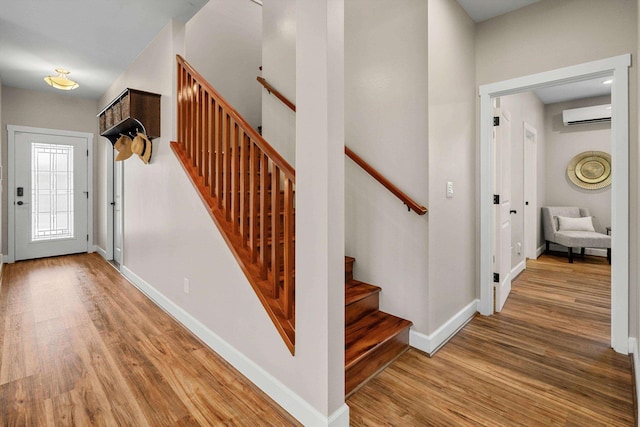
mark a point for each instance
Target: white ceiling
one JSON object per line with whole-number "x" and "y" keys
{"x": 96, "y": 40}
{"x": 481, "y": 10}
{"x": 573, "y": 91}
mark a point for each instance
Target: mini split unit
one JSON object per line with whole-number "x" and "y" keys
{"x": 579, "y": 116}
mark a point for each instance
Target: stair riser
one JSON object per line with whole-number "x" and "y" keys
{"x": 361, "y": 308}
{"x": 358, "y": 374}
{"x": 348, "y": 270}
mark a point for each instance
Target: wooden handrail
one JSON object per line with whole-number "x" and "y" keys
{"x": 411, "y": 204}
{"x": 276, "y": 93}
{"x": 247, "y": 188}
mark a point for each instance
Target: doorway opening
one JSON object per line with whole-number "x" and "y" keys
{"x": 617, "y": 69}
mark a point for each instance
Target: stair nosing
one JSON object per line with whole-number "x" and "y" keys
{"x": 375, "y": 290}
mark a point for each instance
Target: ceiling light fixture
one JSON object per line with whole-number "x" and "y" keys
{"x": 607, "y": 82}
{"x": 61, "y": 81}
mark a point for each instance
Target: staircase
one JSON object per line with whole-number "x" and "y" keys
{"x": 249, "y": 191}
{"x": 373, "y": 339}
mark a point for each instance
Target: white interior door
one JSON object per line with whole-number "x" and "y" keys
{"x": 531, "y": 223}
{"x": 50, "y": 195}
{"x": 502, "y": 187}
{"x": 117, "y": 211}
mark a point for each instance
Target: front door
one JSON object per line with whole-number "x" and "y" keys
{"x": 502, "y": 188}
{"x": 50, "y": 195}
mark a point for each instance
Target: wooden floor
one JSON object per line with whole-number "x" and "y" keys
{"x": 80, "y": 346}
{"x": 544, "y": 360}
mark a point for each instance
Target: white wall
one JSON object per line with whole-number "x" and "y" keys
{"x": 452, "y": 157}
{"x": 524, "y": 107}
{"x": 2, "y": 185}
{"x": 279, "y": 69}
{"x": 574, "y": 32}
{"x": 223, "y": 42}
{"x": 386, "y": 123}
{"x": 565, "y": 142}
{"x": 44, "y": 110}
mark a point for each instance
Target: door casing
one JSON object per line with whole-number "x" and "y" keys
{"x": 11, "y": 131}
{"x": 618, "y": 68}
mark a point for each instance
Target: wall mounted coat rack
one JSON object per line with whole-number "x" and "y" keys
{"x": 131, "y": 112}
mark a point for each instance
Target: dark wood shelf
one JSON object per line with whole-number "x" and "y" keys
{"x": 131, "y": 111}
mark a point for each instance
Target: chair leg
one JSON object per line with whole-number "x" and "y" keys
{"x": 547, "y": 249}
{"x": 582, "y": 251}
{"x": 609, "y": 255}
{"x": 570, "y": 255}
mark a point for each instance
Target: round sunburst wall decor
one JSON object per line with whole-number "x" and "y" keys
{"x": 590, "y": 170}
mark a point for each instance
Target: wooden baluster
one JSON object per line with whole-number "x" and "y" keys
{"x": 212, "y": 151}
{"x": 264, "y": 214}
{"x": 204, "y": 154}
{"x": 235, "y": 176}
{"x": 180, "y": 119}
{"x": 191, "y": 119}
{"x": 226, "y": 142}
{"x": 195, "y": 161}
{"x": 219, "y": 154}
{"x": 244, "y": 188}
{"x": 289, "y": 250}
{"x": 254, "y": 206}
{"x": 183, "y": 108}
{"x": 275, "y": 229}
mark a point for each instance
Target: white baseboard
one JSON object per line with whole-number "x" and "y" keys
{"x": 431, "y": 343}
{"x": 633, "y": 347}
{"x": 284, "y": 396}
{"x": 540, "y": 250}
{"x": 7, "y": 260}
{"x": 519, "y": 268}
{"x": 102, "y": 252}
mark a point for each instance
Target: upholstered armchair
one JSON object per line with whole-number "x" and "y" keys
{"x": 574, "y": 227}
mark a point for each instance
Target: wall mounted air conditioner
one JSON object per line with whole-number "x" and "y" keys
{"x": 595, "y": 114}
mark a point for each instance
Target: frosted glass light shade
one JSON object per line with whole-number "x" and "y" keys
{"x": 61, "y": 81}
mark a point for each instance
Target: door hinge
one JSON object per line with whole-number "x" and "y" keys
{"x": 496, "y": 278}
{"x": 87, "y": 237}
{"x": 87, "y": 153}
{"x": 496, "y": 121}
{"x": 496, "y": 199}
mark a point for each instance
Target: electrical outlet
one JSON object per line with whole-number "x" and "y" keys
{"x": 186, "y": 285}
{"x": 449, "y": 189}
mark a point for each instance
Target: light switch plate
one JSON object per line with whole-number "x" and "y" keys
{"x": 449, "y": 189}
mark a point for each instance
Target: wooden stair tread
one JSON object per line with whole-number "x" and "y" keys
{"x": 370, "y": 332}
{"x": 356, "y": 290}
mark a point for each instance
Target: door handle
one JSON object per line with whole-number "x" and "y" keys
{"x": 20, "y": 203}
{"x": 513, "y": 212}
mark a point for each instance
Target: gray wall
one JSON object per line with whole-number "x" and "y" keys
{"x": 452, "y": 157}
{"x": 386, "y": 123}
{"x": 279, "y": 69}
{"x": 524, "y": 107}
{"x": 563, "y": 143}
{"x": 23, "y": 107}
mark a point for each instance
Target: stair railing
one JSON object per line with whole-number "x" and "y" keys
{"x": 248, "y": 189}
{"x": 411, "y": 204}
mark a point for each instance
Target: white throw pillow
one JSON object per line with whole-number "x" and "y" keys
{"x": 575, "y": 224}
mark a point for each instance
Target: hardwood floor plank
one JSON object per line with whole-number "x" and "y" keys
{"x": 82, "y": 346}
{"x": 544, "y": 360}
